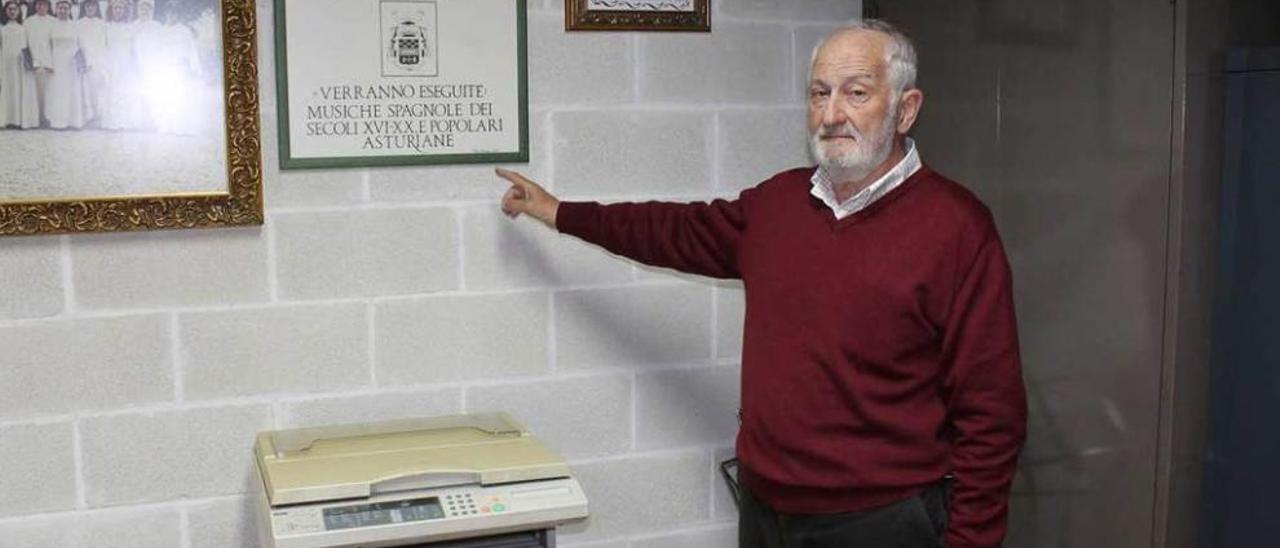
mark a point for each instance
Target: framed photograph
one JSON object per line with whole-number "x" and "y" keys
{"x": 124, "y": 115}
{"x": 668, "y": 15}
{"x": 401, "y": 82}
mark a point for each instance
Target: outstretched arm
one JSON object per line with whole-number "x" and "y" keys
{"x": 698, "y": 238}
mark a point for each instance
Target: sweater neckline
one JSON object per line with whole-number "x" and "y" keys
{"x": 871, "y": 209}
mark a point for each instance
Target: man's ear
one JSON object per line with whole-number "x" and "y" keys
{"x": 908, "y": 109}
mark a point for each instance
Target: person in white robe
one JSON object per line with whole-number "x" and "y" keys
{"x": 18, "y": 107}
{"x": 178, "y": 106}
{"x": 155, "y": 80}
{"x": 39, "y": 29}
{"x": 64, "y": 98}
{"x": 120, "y": 107}
{"x": 93, "y": 46}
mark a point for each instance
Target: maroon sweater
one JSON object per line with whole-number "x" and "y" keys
{"x": 880, "y": 351}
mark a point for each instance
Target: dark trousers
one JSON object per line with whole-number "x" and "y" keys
{"x": 917, "y": 522}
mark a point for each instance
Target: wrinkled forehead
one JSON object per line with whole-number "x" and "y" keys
{"x": 851, "y": 52}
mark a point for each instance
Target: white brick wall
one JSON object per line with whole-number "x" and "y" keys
{"x": 686, "y": 407}
{"x": 38, "y": 467}
{"x": 155, "y": 526}
{"x": 245, "y": 352}
{"x": 748, "y": 151}
{"x": 137, "y": 367}
{"x": 500, "y": 254}
{"x": 168, "y": 269}
{"x": 31, "y": 270}
{"x": 85, "y": 364}
{"x": 738, "y": 63}
{"x": 632, "y": 326}
{"x": 730, "y": 311}
{"x": 632, "y": 153}
{"x": 380, "y": 405}
{"x": 223, "y": 523}
{"x": 579, "y": 416}
{"x": 644, "y": 493}
{"x": 366, "y": 252}
{"x": 165, "y": 455}
{"x": 578, "y": 68}
{"x": 715, "y": 537}
{"x": 458, "y": 338}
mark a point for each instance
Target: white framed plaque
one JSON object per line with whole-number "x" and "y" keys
{"x": 401, "y": 82}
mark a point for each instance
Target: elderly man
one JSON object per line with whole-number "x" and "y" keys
{"x": 882, "y": 397}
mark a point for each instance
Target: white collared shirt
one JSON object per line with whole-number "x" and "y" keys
{"x": 824, "y": 189}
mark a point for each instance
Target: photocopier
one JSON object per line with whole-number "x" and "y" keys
{"x": 473, "y": 481}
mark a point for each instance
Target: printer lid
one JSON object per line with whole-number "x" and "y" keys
{"x": 359, "y": 460}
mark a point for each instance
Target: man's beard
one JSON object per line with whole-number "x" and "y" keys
{"x": 866, "y": 154}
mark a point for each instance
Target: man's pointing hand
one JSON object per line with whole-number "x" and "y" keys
{"x": 529, "y": 198}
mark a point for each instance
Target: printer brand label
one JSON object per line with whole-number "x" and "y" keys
{"x": 296, "y": 521}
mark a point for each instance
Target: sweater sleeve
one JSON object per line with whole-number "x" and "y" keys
{"x": 986, "y": 400}
{"x": 697, "y": 238}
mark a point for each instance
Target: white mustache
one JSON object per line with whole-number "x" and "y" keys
{"x": 843, "y": 130}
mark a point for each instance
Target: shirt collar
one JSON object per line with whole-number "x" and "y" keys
{"x": 824, "y": 190}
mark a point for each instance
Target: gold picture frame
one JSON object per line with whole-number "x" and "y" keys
{"x": 643, "y": 15}
{"x": 241, "y": 202}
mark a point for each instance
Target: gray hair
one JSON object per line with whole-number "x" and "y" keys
{"x": 900, "y": 56}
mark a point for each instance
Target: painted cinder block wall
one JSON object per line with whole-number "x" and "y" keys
{"x": 137, "y": 367}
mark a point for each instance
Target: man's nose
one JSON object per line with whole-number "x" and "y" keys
{"x": 832, "y": 114}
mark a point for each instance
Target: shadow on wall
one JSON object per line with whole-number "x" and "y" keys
{"x": 1088, "y": 304}
{"x": 1079, "y": 432}
{"x": 521, "y": 249}
{"x": 615, "y": 327}
{"x": 245, "y": 529}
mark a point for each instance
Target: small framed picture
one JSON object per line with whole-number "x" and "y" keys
{"x": 660, "y": 15}
{"x": 401, "y": 82}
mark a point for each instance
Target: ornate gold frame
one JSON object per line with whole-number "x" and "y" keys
{"x": 578, "y": 17}
{"x": 240, "y": 205}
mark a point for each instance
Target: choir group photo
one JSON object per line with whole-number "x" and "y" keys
{"x": 116, "y": 65}
{"x": 109, "y": 79}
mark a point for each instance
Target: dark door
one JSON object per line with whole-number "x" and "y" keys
{"x": 1242, "y": 475}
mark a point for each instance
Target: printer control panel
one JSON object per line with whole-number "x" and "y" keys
{"x": 467, "y": 503}
{"x": 382, "y": 513}
{"x": 457, "y": 504}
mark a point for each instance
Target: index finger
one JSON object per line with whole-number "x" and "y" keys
{"x": 513, "y": 177}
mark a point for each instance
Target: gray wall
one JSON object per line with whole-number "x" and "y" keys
{"x": 137, "y": 367}
{"x": 1058, "y": 113}
{"x": 1094, "y": 129}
